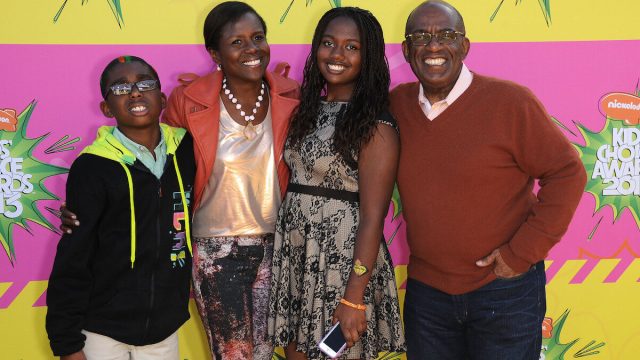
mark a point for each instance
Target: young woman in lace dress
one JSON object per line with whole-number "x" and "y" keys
{"x": 330, "y": 259}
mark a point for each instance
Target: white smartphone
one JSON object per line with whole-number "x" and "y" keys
{"x": 333, "y": 344}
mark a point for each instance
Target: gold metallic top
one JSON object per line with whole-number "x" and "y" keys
{"x": 242, "y": 196}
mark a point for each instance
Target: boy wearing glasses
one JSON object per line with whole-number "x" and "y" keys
{"x": 472, "y": 147}
{"x": 119, "y": 288}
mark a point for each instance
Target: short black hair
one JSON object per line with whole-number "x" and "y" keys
{"x": 223, "y": 14}
{"x": 104, "y": 87}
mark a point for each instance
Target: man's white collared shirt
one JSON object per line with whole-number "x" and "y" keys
{"x": 461, "y": 85}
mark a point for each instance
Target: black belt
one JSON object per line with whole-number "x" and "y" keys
{"x": 345, "y": 195}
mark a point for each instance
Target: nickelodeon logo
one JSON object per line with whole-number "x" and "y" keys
{"x": 621, "y": 106}
{"x": 8, "y": 119}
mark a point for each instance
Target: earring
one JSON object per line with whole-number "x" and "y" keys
{"x": 219, "y": 67}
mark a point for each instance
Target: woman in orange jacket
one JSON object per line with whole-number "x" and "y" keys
{"x": 238, "y": 117}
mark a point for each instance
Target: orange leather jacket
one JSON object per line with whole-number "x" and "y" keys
{"x": 195, "y": 106}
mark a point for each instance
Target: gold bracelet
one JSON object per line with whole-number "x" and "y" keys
{"x": 355, "y": 306}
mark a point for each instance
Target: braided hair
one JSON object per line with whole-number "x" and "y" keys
{"x": 370, "y": 97}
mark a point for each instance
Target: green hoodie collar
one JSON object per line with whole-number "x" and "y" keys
{"x": 108, "y": 146}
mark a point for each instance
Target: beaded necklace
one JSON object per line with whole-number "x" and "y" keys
{"x": 249, "y": 131}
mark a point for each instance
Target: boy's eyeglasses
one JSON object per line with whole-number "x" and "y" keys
{"x": 127, "y": 88}
{"x": 444, "y": 37}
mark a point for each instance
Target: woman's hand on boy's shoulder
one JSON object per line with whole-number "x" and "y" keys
{"x": 69, "y": 221}
{"x": 75, "y": 356}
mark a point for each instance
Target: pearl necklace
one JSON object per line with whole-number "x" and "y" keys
{"x": 249, "y": 130}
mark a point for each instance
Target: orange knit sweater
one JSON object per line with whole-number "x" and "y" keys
{"x": 466, "y": 182}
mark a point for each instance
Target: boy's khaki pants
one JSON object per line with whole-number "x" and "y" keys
{"x": 100, "y": 347}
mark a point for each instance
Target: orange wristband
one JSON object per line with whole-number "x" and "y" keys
{"x": 355, "y": 306}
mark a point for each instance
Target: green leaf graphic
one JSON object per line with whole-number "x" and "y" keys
{"x": 545, "y": 6}
{"x": 332, "y": 3}
{"x": 601, "y": 188}
{"x": 117, "y": 11}
{"x": 114, "y": 5}
{"x": 19, "y": 207}
{"x": 395, "y": 200}
{"x": 553, "y": 349}
{"x": 590, "y": 349}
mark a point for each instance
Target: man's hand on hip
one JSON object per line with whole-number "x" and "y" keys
{"x": 500, "y": 268}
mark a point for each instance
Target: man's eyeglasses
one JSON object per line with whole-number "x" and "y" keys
{"x": 444, "y": 37}
{"x": 127, "y": 88}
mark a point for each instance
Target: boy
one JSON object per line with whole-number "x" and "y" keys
{"x": 119, "y": 288}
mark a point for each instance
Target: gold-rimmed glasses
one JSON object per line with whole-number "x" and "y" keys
{"x": 443, "y": 37}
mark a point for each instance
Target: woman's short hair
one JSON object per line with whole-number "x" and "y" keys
{"x": 223, "y": 14}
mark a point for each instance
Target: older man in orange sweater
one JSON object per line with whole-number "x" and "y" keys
{"x": 471, "y": 148}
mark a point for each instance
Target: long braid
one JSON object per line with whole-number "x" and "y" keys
{"x": 370, "y": 95}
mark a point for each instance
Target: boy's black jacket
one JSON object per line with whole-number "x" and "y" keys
{"x": 94, "y": 284}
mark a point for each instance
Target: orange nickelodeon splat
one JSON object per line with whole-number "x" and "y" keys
{"x": 8, "y": 119}
{"x": 621, "y": 106}
{"x": 547, "y": 327}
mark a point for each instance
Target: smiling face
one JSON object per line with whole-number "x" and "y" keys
{"x": 339, "y": 58}
{"x": 436, "y": 65}
{"x": 243, "y": 51}
{"x": 136, "y": 110}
